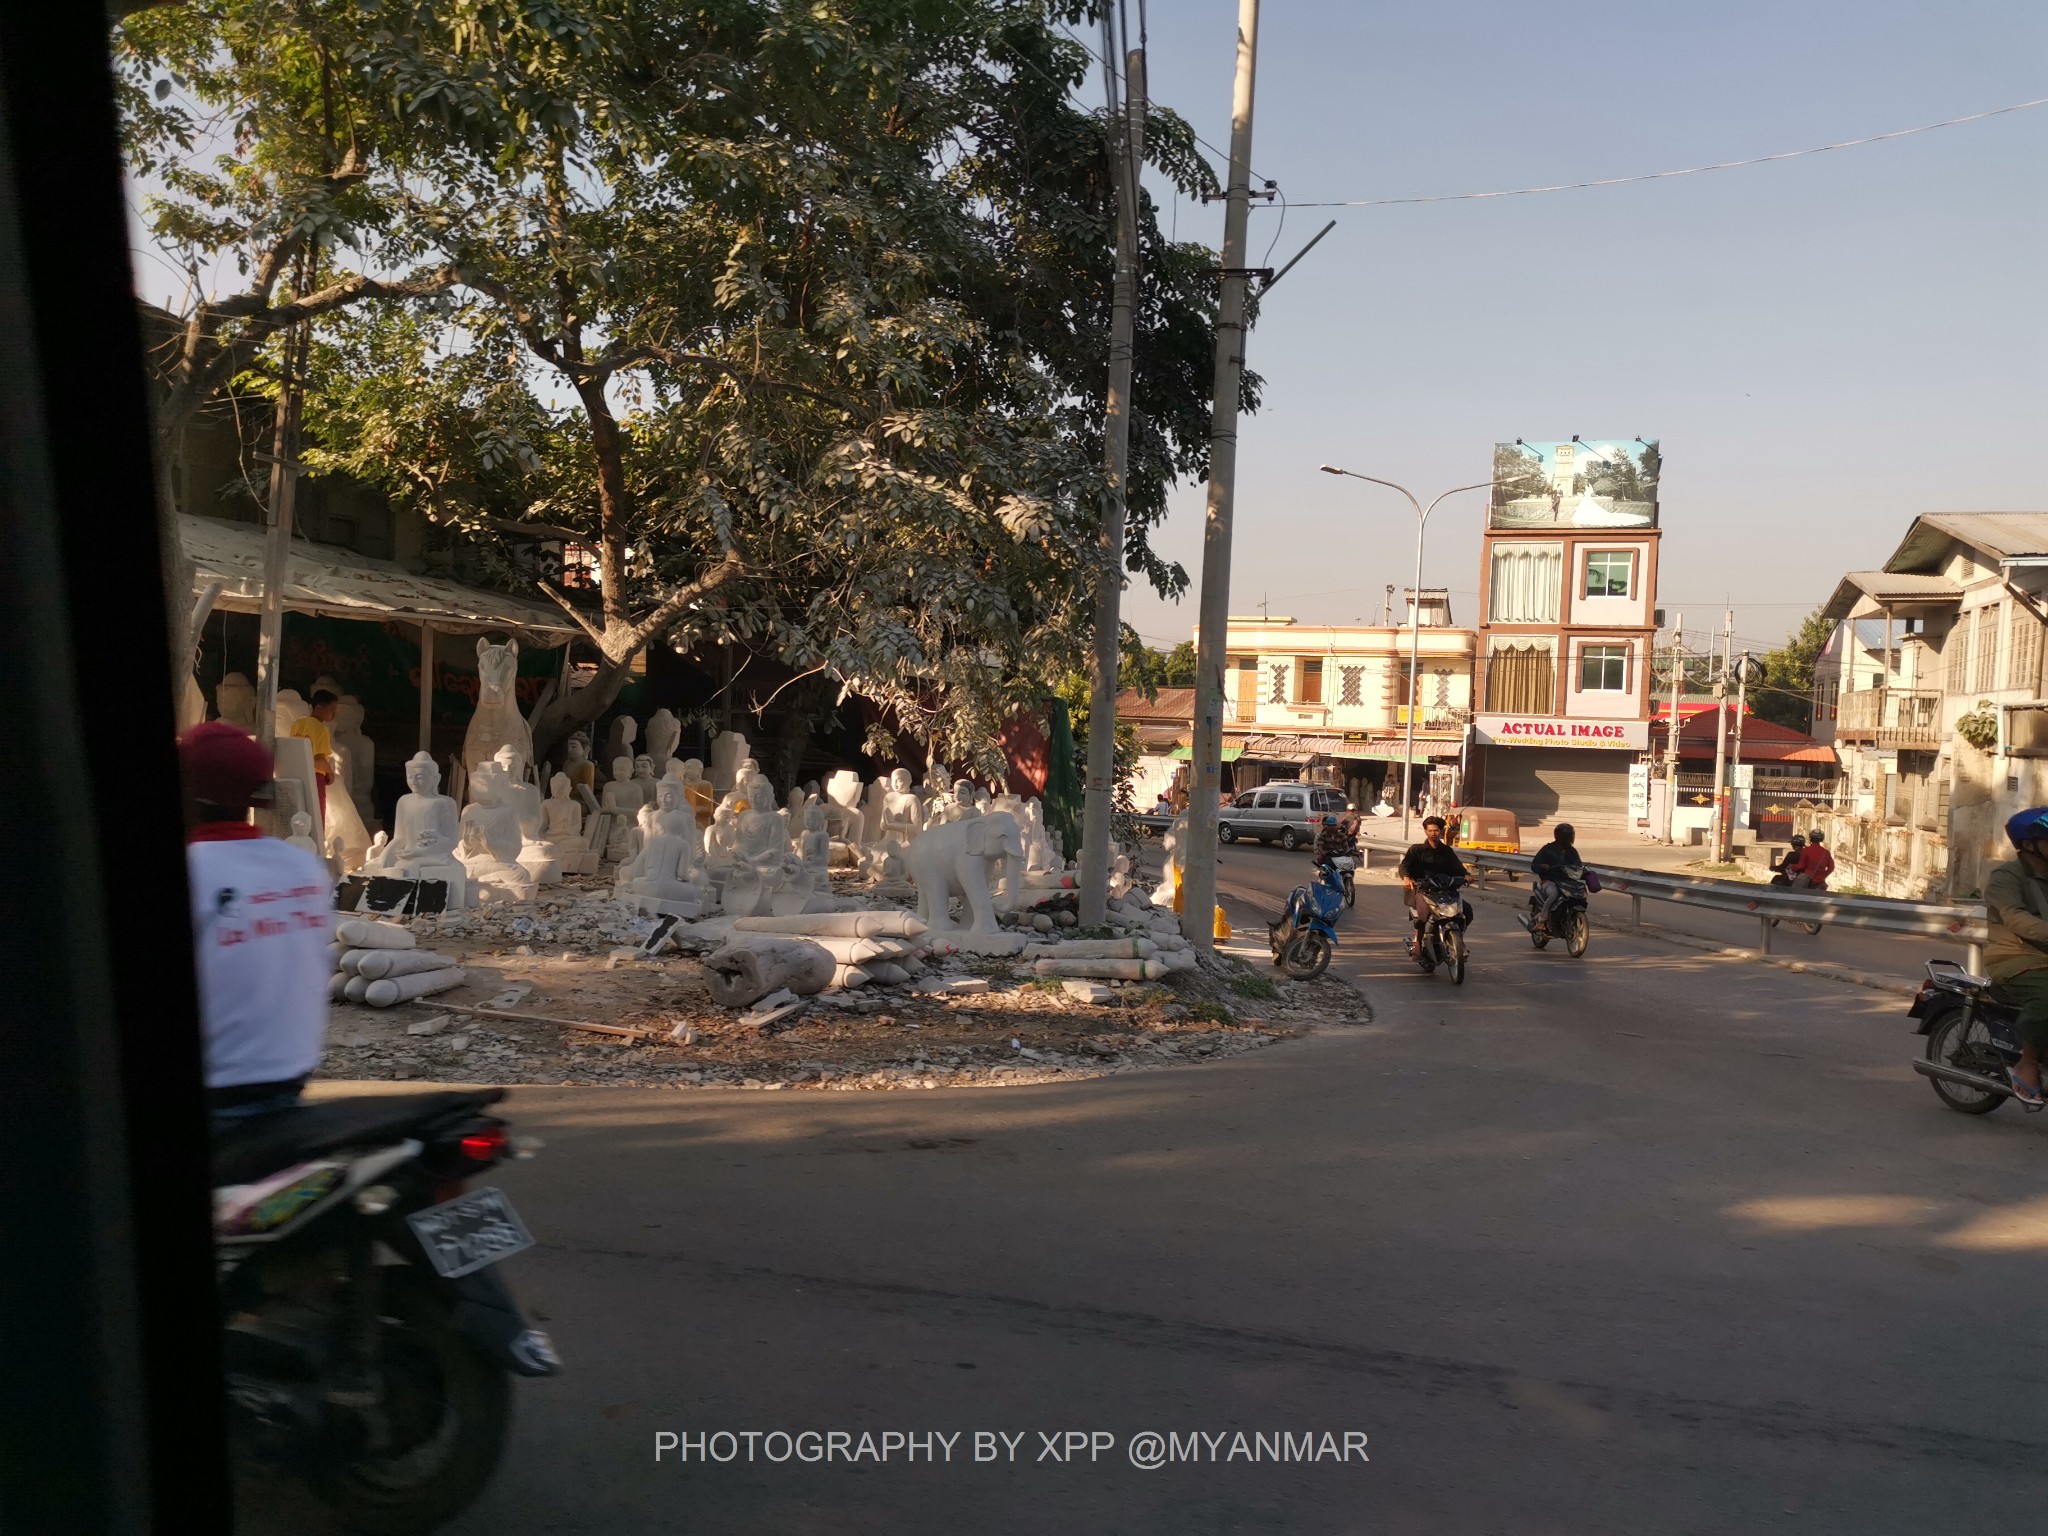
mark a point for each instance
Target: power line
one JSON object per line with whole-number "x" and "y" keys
{"x": 1691, "y": 170}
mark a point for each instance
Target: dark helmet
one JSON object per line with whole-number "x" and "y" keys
{"x": 1798, "y": 839}
{"x": 2030, "y": 824}
{"x": 1565, "y": 833}
{"x": 1816, "y": 836}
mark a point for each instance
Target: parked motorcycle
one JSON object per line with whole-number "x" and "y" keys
{"x": 1567, "y": 919}
{"x": 1442, "y": 938}
{"x": 1971, "y": 1039}
{"x": 1306, "y": 935}
{"x": 369, "y": 1343}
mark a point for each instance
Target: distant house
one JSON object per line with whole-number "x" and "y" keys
{"x": 1951, "y": 626}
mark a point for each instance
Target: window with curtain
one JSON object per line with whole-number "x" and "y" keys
{"x": 1524, "y": 583}
{"x": 2023, "y": 656}
{"x": 1521, "y": 680}
{"x": 1985, "y": 652}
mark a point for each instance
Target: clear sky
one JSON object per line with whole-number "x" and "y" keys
{"x": 1825, "y": 347}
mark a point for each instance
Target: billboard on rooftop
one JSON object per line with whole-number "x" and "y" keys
{"x": 1591, "y": 483}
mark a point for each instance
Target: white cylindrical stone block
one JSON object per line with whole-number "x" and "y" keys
{"x": 845, "y": 925}
{"x": 1108, "y": 970}
{"x": 374, "y": 964}
{"x": 400, "y": 989}
{"x": 360, "y": 933}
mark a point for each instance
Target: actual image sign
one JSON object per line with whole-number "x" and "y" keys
{"x": 1590, "y": 484}
{"x": 1555, "y": 731}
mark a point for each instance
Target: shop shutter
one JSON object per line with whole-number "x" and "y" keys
{"x": 1588, "y": 789}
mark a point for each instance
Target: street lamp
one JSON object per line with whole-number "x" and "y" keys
{"x": 1414, "y": 623}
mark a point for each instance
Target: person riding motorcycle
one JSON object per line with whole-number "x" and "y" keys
{"x": 1809, "y": 868}
{"x": 2016, "y": 958}
{"x": 1332, "y": 841}
{"x": 1430, "y": 859}
{"x": 1556, "y": 860}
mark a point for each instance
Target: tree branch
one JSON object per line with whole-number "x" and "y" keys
{"x": 596, "y": 634}
{"x": 608, "y": 363}
{"x": 659, "y": 621}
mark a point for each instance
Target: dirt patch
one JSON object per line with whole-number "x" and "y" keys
{"x": 1022, "y": 1029}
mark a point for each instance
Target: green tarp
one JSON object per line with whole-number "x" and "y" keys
{"x": 1187, "y": 754}
{"x": 1062, "y": 778}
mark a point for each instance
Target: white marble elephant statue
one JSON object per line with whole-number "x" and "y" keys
{"x": 969, "y": 856}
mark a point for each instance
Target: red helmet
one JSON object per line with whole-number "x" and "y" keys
{"x": 225, "y": 767}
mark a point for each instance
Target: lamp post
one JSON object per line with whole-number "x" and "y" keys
{"x": 1414, "y": 622}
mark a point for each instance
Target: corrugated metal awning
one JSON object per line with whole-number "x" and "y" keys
{"x": 340, "y": 584}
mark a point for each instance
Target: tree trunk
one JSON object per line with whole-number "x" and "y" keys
{"x": 566, "y": 713}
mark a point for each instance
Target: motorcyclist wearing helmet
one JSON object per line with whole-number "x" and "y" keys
{"x": 1809, "y": 868}
{"x": 2016, "y": 958}
{"x": 1556, "y": 860}
{"x": 1331, "y": 840}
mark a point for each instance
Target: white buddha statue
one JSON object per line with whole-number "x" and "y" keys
{"x": 491, "y": 837}
{"x": 302, "y": 835}
{"x": 814, "y": 846}
{"x": 698, "y": 794}
{"x": 763, "y": 850}
{"x": 664, "y": 869}
{"x": 561, "y": 829}
{"x": 426, "y": 834}
{"x": 358, "y": 754}
{"x": 235, "y": 699}
{"x": 616, "y": 811}
{"x": 664, "y": 731}
{"x": 535, "y": 857}
{"x": 581, "y": 770}
{"x": 722, "y": 848}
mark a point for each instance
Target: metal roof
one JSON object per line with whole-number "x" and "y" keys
{"x": 1890, "y": 589}
{"x": 2000, "y": 535}
{"x": 340, "y": 584}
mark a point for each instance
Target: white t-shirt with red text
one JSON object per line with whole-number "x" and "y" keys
{"x": 262, "y": 918}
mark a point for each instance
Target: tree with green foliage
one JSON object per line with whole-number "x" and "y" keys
{"x": 1785, "y": 696}
{"x": 794, "y": 314}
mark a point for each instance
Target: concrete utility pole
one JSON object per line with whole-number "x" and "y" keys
{"x": 1671, "y": 770}
{"x": 1126, "y": 154}
{"x": 1720, "y": 848}
{"x": 1735, "y": 756}
{"x": 1197, "y": 920}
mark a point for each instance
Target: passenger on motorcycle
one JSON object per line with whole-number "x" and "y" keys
{"x": 262, "y": 912}
{"x": 1430, "y": 859}
{"x": 2016, "y": 958}
{"x": 1809, "y": 867}
{"x": 1556, "y": 860}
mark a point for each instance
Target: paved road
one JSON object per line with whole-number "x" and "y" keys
{"x": 1652, "y": 1242}
{"x": 1878, "y": 953}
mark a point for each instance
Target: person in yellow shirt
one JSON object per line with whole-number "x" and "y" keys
{"x": 314, "y": 729}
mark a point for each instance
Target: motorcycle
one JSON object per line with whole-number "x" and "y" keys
{"x": 1971, "y": 1039}
{"x": 368, "y": 1341}
{"x": 1784, "y": 881}
{"x": 1347, "y": 862}
{"x": 1306, "y": 935}
{"x": 1441, "y": 940}
{"x": 1567, "y": 919}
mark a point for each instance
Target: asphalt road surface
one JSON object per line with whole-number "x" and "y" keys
{"x": 1881, "y": 954}
{"x": 1656, "y": 1241}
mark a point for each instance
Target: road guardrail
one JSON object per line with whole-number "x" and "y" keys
{"x": 1770, "y": 903}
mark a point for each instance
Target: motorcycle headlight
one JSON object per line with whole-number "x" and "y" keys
{"x": 1448, "y": 909}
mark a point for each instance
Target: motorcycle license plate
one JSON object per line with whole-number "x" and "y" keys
{"x": 469, "y": 1232}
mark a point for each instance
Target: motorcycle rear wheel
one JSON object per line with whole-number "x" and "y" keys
{"x": 1307, "y": 957}
{"x": 449, "y": 1408}
{"x": 1948, "y": 1044}
{"x": 1576, "y": 932}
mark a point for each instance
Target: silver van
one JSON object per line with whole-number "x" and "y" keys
{"x": 1287, "y": 814}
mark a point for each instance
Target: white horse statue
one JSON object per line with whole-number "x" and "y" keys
{"x": 497, "y": 722}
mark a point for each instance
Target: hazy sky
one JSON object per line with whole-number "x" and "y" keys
{"x": 1825, "y": 347}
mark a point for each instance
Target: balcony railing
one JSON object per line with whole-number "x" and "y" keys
{"x": 1891, "y": 717}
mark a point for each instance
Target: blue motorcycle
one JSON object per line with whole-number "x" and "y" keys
{"x": 1306, "y": 935}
